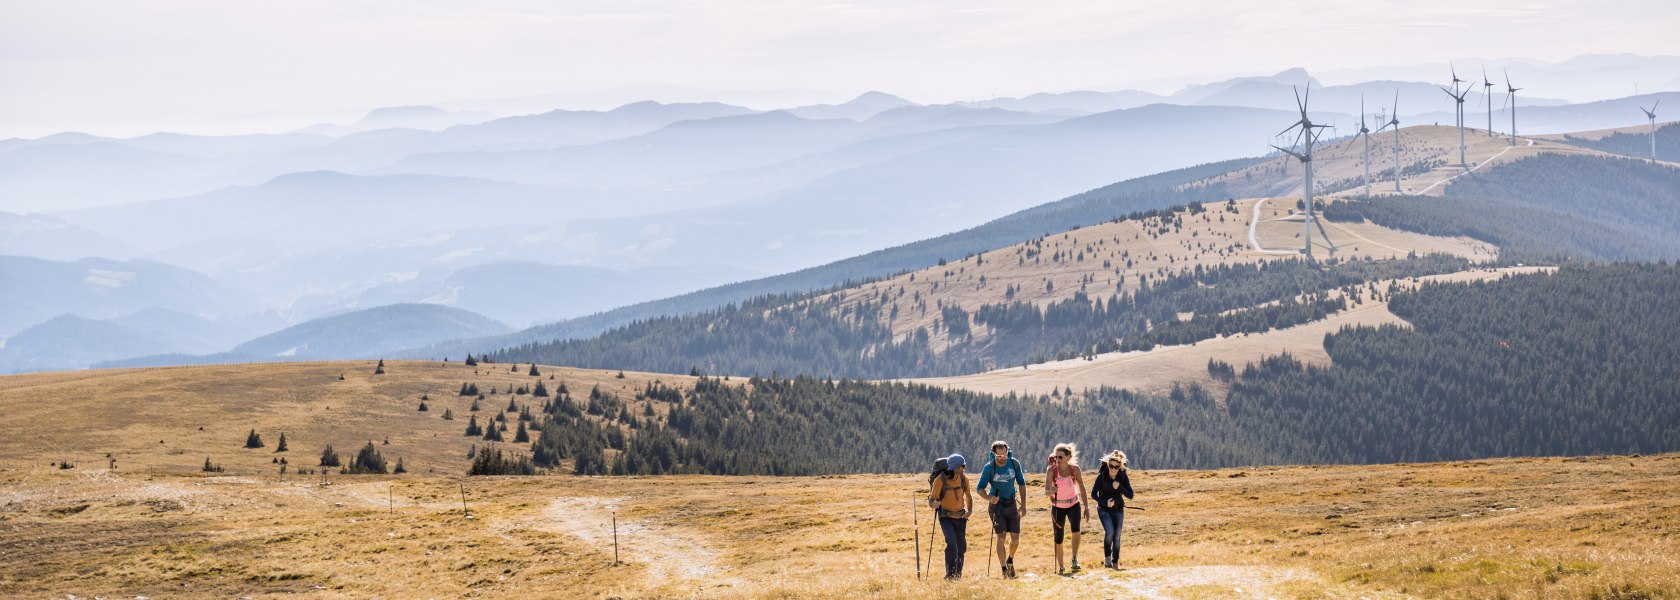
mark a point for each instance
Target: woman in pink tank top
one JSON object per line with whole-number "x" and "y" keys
{"x": 1066, "y": 486}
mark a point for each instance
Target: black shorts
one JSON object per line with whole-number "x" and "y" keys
{"x": 1065, "y": 519}
{"x": 1006, "y": 516}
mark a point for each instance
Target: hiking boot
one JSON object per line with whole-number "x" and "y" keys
{"x": 1074, "y": 568}
{"x": 1010, "y": 567}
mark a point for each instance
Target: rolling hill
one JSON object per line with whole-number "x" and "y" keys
{"x": 34, "y": 290}
{"x": 369, "y": 333}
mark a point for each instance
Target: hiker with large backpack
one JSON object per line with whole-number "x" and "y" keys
{"x": 1066, "y": 486}
{"x": 1113, "y": 488}
{"x": 1004, "y": 478}
{"x": 949, "y": 495}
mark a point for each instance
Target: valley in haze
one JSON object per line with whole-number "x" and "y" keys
{"x": 697, "y": 300}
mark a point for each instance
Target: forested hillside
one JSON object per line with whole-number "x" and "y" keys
{"x": 1546, "y": 208}
{"x": 815, "y": 335}
{"x": 1578, "y": 362}
{"x": 1637, "y": 144}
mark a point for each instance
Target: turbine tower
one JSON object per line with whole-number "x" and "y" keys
{"x": 1487, "y": 90}
{"x": 1394, "y": 122}
{"x": 1511, "y": 98}
{"x": 1308, "y": 133}
{"x": 1652, "y": 115}
{"x": 1458, "y": 97}
{"x": 1365, "y": 132}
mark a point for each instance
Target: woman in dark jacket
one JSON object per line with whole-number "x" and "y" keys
{"x": 1110, "y": 492}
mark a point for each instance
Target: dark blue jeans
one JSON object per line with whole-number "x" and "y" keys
{"x": 1112, "y": 520}
{"x": 956, "y": 544}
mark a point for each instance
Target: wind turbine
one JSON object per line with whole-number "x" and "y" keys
{"x": 1309, "y": 134}
{"x": 1652, "y": 115}
{"x": 1511, "y": 98}
{"x": 1394, "y": 122}
{"x": 1365, "y": 132}
{"x": 1487, "y": 89}
{"x": 1458, "y": 97}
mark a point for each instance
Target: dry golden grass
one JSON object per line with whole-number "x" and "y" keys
{"x": 1103, "y": 259}
{"x": 168, "y": 420}
{"x": 155, "y": 527}
{"x": 1518, "y": 528}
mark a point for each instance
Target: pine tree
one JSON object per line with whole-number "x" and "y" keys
{"x": 448, "y": 415}
{"x": 380, "y": 370}
{"x": 492, "y": 433}
{"x": 511, "y": 407}
{"x": 474, "y": 406}
{"x": 400, "y": 469}
{"x": 471, "y": 362}
{"x": 521, "y": 436}
{"x": 534, "y": 372}
{"x": 541, "y": 390}
{"x": 329, "y": 457}
{"x": 252, "y": 440}
{"x": 423, "y": 407}
{"x": 368, "y": 460}
{"x": 473, "y": 428}
{"x": 211, "y": 468}
{"x": 281, "y": 447}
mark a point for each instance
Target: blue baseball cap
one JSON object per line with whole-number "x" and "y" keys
{"x": 955, "y": 461}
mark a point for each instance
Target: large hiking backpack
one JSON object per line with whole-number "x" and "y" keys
{"x": 939, "y": 468}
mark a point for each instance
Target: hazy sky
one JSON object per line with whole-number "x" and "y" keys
{"x": 127, "y": 67}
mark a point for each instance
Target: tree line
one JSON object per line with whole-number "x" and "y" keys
{"x": 1546, "y": 208}
{"x": 1577, "y": 362}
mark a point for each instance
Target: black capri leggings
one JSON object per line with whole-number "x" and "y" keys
{"x": 1070, "y": 514}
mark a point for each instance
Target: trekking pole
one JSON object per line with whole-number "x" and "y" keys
{"x": 916, "y": 524}
{"x": 931, "y": 526}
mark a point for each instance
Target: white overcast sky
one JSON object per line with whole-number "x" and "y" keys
{"x": 126, "y": 67}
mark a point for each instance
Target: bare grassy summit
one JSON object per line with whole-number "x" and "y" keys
{"x": 1590, "y": 527}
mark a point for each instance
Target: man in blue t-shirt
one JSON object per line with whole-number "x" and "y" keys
{"x": 1002, "y": 475}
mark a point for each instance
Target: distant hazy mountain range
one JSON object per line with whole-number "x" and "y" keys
{"x": 534, "y": 218}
